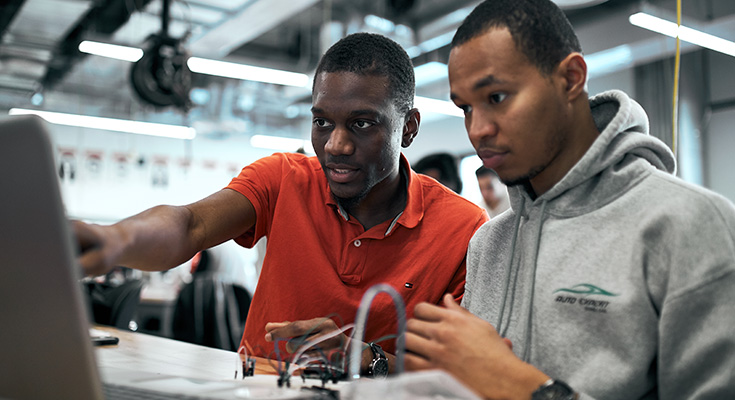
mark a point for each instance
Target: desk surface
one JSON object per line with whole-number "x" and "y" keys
{"x": 161, "y": 356}
{"x": 157, "y": 355}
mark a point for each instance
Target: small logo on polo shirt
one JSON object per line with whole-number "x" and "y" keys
{"x": 408, "y": 285}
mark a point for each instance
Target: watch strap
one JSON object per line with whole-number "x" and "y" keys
{"x": 554, "y": 389}
{"x": 379, "y": 365}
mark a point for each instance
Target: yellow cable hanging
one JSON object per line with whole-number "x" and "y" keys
{"x": 675, "y": 101}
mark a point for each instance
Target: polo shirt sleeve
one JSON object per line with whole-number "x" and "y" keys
{"x": 261, "y": 183}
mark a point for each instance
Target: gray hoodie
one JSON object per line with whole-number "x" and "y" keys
{"x": 620, "y": 279}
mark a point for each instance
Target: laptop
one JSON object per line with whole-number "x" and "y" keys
{"x": 44, "y": 340}
{"x": 45, "y": 346}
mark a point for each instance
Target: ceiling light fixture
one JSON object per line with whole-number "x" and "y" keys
{"x": 430, "y": 44}
{"x": 247, "y": 72}
{"x": 429, "y": 105}
{"x": 686, "y": 34}
{"x": 204, "y": 66}
{"x": 124, "y": 53}
{"x": 112, "y": 124}
{"x": 609, "y": 60}
{"x": 430, "y": 72}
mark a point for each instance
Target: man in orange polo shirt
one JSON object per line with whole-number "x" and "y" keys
{"x": 338, "y": 223}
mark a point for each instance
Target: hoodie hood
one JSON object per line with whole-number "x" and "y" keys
{"x": 614, "y": 159}
{"x": 618, "y": 159}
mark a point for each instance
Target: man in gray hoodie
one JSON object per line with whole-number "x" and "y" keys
{"x": 609, "y": 273}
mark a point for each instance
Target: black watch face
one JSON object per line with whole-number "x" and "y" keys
{"x": 380, "y": 368}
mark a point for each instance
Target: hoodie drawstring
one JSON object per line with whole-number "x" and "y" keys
{"x": 503, "y": 330}
{"x": 529, "y": 325}
{"x": 517, "y": 224}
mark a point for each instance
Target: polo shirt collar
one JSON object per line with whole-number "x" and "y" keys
{"x": 414, "y": 210}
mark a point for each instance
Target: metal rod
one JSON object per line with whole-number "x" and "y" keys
{"x": 358, "y": 334}
{"x": 164, "y": 17}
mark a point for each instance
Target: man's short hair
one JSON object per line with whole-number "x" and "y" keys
{"x": 447, "y": 166}
{"x": 372, "y": 54}
{"x": 540, "y": 30}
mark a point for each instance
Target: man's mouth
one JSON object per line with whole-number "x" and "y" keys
{"x": 341, "y": 174}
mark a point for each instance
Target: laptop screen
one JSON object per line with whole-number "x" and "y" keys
{"x": 44, "y": 340}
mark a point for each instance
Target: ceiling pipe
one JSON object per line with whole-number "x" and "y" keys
{"x": 102, "y": 20}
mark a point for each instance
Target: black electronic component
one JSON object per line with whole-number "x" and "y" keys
{"x": 161, "y": 77}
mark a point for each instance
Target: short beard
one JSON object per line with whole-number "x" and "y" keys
{"x": 349, "y": 203}
{"x": 521, "y": 180}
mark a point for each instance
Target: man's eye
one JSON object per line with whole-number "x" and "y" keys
{"x": 496, "y": 98}
{"x": 320, "y": 122}
{"x": 360, "y": 124}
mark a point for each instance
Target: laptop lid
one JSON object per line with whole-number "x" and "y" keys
{"x": 45, "y": 351}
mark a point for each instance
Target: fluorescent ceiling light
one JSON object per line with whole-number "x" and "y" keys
{"x": 112, "y": 124}
{"x": 684, "y": 33}
{"x": 430, "y": 44}
{"x": 378, "y": 23}
{"x": 281, "y": 143}
{"x": 426, "y": 104}
{"x": 203, "y": 66}
{"x": 125, "y": 53}
{"x": 609, "y": 60}
{"x": 247, "y": 72}
{"x": 430, "y": 72}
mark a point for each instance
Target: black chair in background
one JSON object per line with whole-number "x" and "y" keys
{"x": 210, "y": 311}
{"x": 114, "y": 305}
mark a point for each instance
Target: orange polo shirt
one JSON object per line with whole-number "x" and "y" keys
{"x": 319, "y": 261}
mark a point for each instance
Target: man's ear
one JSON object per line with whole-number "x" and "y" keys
{"x": 573, "y": 70}
{"x": 411, "y": 127}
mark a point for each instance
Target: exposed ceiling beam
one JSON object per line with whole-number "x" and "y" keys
{"x": 104, "y": 18}
{"x": 254, "y": 20}
{"x": 8, "y": 9}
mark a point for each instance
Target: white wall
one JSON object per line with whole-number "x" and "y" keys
{"x": 172, "y": 171}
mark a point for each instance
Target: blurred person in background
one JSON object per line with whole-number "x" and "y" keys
{"x": 494, "y": 193}
{"x": 443, "y": 167}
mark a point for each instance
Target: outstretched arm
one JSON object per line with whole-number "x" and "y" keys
{"x": 469, "y": 348}
{"x": 164, "y": 236}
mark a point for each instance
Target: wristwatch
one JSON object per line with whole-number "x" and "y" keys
{"x": 554, "y": 389}
{"x": 378, "y": 368}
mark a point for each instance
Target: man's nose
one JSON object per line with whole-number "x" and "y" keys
{"x": 339, "y": 143}
{"x": 481, "y": 125}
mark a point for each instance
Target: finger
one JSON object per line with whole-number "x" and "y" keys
{"x": 271, "y": 326}
{"x": 451, "y": 304}
{"x": 421, "y": 346}
{"x": 275, "y": 325}
{"x": 429, "y": 312}
{"x": 413, "y": 362}
{"x": 508, "y": 343}
{"x": 425, "y": 329}
{"x": 301, "y": 328}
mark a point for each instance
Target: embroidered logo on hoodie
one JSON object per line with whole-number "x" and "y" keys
{"x": 585, "y": 290}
